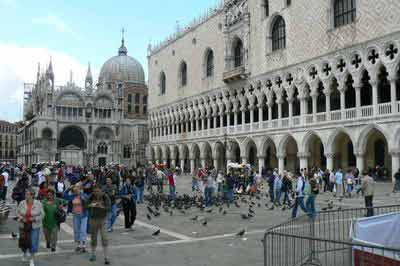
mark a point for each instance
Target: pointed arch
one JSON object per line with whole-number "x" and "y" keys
{"x": 183, "y": 72}
{"x": 163, "y": 83}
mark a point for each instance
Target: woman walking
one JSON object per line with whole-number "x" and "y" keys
{"x": 76, "y": 205}
{"x": 30, "y": 215}
{"x": 51, "y": 205}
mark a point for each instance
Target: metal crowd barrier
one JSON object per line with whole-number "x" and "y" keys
{"x": 325, "y": 241}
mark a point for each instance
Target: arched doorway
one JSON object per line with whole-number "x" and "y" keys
{"x": 366, "y": 89}
{"x": 377, "y": 155}
{"x": 234, "y": 152}
{"x": 315, "y": 148}
{"x": 71, "y": 144}
{"x": 291, "y": 161}
{"x": 343, "y": 152}
{"x": 252, "y": 154}
{"x": 270, "y": 159}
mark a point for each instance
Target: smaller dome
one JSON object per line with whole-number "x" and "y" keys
{"x": 122, "y": 68}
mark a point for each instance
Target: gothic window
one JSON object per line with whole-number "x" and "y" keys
{"x": 366, "y": 90}
{"x": 350, "y": 93}
{"x": 344, "y": 12}
{"x": 162, "y": 83}
{"x": 210, "y": 64}
{"x": 278, "y": 34}
{"x": 183, "y": 74}
{"x": 238, "y": 53}
{"x": 383, "y": 86}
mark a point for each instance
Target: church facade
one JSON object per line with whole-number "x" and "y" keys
{"x": 100, "y": 124}
{"x": 280, "y": 84}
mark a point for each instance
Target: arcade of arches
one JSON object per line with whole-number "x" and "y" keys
{"x": 341, "y": 148}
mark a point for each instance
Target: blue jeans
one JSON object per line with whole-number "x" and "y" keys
{"x": 112, "y": 216}
{"x": 278, "y": 194}
{"x": 172, "y": 193}
{"x": 229, "y": 195}
{"x": 208, "y": 192}
{"x": 271, "y": 194}
{"x": 35, "y": 235}
{"x": 298, "y": 201}
{"x": 310, "y": 205}
{"x": 80, "y": 223}
{"x": 139, "y": 194}
{"x": 286, "y": 198}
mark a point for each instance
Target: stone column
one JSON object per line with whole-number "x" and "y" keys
{"x": 269, "y": 112}
{"x": 393, "y": 96}
{"x": 328, "y": 105}
{"x": 173, "y": 163}
{"x": 360, "y": 162}
{"x": 251, "y": 116}
{"x": 314, "y": 107}
{"x": 303, "y": 157}
{"x": 235, "y": 119}
{"x": 192, "y": 166}
{"x": 261, "y": 161}
{"x": 203, "y": 163}
{"x": 208, "y": 122}
{"x": 182, "y": 165}
{"x": 260, "y": 115}
{"x": 243, "y": 117}
{"x": 374, "y": 85}
{"x": 395, "y": 163}
{"x": 215, "y": 121}
{"x": 202, "y": 123}
{"x": 279, "y": 102}
{"x": 221, "y": 121}
{"x": 281, "y": 163}
{"x": 215, "y": 161}
{"x": 358, "y": 100}
{"x": 290, "y": 103}
{"x": 329, "y": 161}
{"x": 343, "y": 103}
{"x": 244, "y": 159}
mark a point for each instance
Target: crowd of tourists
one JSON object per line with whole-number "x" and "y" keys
{"x": 47, "y": 193}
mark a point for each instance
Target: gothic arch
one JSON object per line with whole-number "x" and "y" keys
{"x": 283, "y": 143}
{"x": 332, "y": 137}
{"x": 363, "y": 137}
{"x": 265, "y": 142}
{"x": 307, "y": 138}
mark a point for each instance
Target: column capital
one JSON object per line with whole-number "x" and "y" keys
{"x": 359, "y": 154}
{"x": 329, "y": 155}
{"x": 395, "y": 153}
{"x": 303, "y": 155}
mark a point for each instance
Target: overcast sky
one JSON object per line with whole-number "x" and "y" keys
{"x": 76, "y": 32}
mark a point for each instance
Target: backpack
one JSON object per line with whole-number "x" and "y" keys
{"x": 60, "y": 215}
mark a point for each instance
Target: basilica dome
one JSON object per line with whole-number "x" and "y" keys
{"x": 122, "y": 68}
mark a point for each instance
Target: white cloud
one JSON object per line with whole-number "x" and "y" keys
{"x": 57, "y": 23}
{"x": 18, "y": 65}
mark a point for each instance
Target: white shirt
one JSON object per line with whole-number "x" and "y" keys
{"x": 5, "y": 174}
{"x": 60, "y": 187}
{"x": 41, "y": 177}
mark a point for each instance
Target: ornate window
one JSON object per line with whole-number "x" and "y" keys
{"x": 278, "y": 34}
{"x": 238, "y": 53}
{"x": 210, "y": 64}
{"x": 344, "y": 12}
{"x": 163, "y": 83}
{"x": 183, "y": 74}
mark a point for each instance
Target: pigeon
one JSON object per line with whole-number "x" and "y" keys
{"x": 250, "y": 215}
{"x": 182, "y": 211}
{"x": 150, "y": 210}
{"x": 156, "y": 214}
{"x": 14, "y": 235}
{"x": 224, "y": 212}
{"x": 156, "y": 233}
{"x": 244, "y": 216}
{"x": 148, "y": 217}
{"x": 266, "y": 205}
{"x": 171, "y": 213}
{"x": 241, "y": 232}
{"x": 221, "y": 209}
{"x": 258, "y": 197}
{"x": 339, "y": 208}
{"x": 251, "y": 211}
{"x": 340, "y": 199}
{"x": 195, "y": 218}
{"x": 205, "y": 222}
{"x": 324, "y": 209}
{"x": 259, "y": 205}
{"x": 209, "y": 211}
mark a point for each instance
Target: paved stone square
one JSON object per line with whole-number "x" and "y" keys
{"x": 182, "y": 241}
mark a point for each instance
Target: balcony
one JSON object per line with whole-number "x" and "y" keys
{"x": 381, "y": 111}
{"x": 237, "y": 73}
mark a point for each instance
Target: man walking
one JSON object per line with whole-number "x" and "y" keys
{"x": 98, "y": 206}
{"x": 128, "y": 203}
{"x": 3, "y": 194}
{"x": 299, "y": 201}
{"x": 111, "y": 191}
{"x": 368, "y": 188}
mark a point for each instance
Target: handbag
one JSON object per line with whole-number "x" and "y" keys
{"x": 60, "y": 216}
